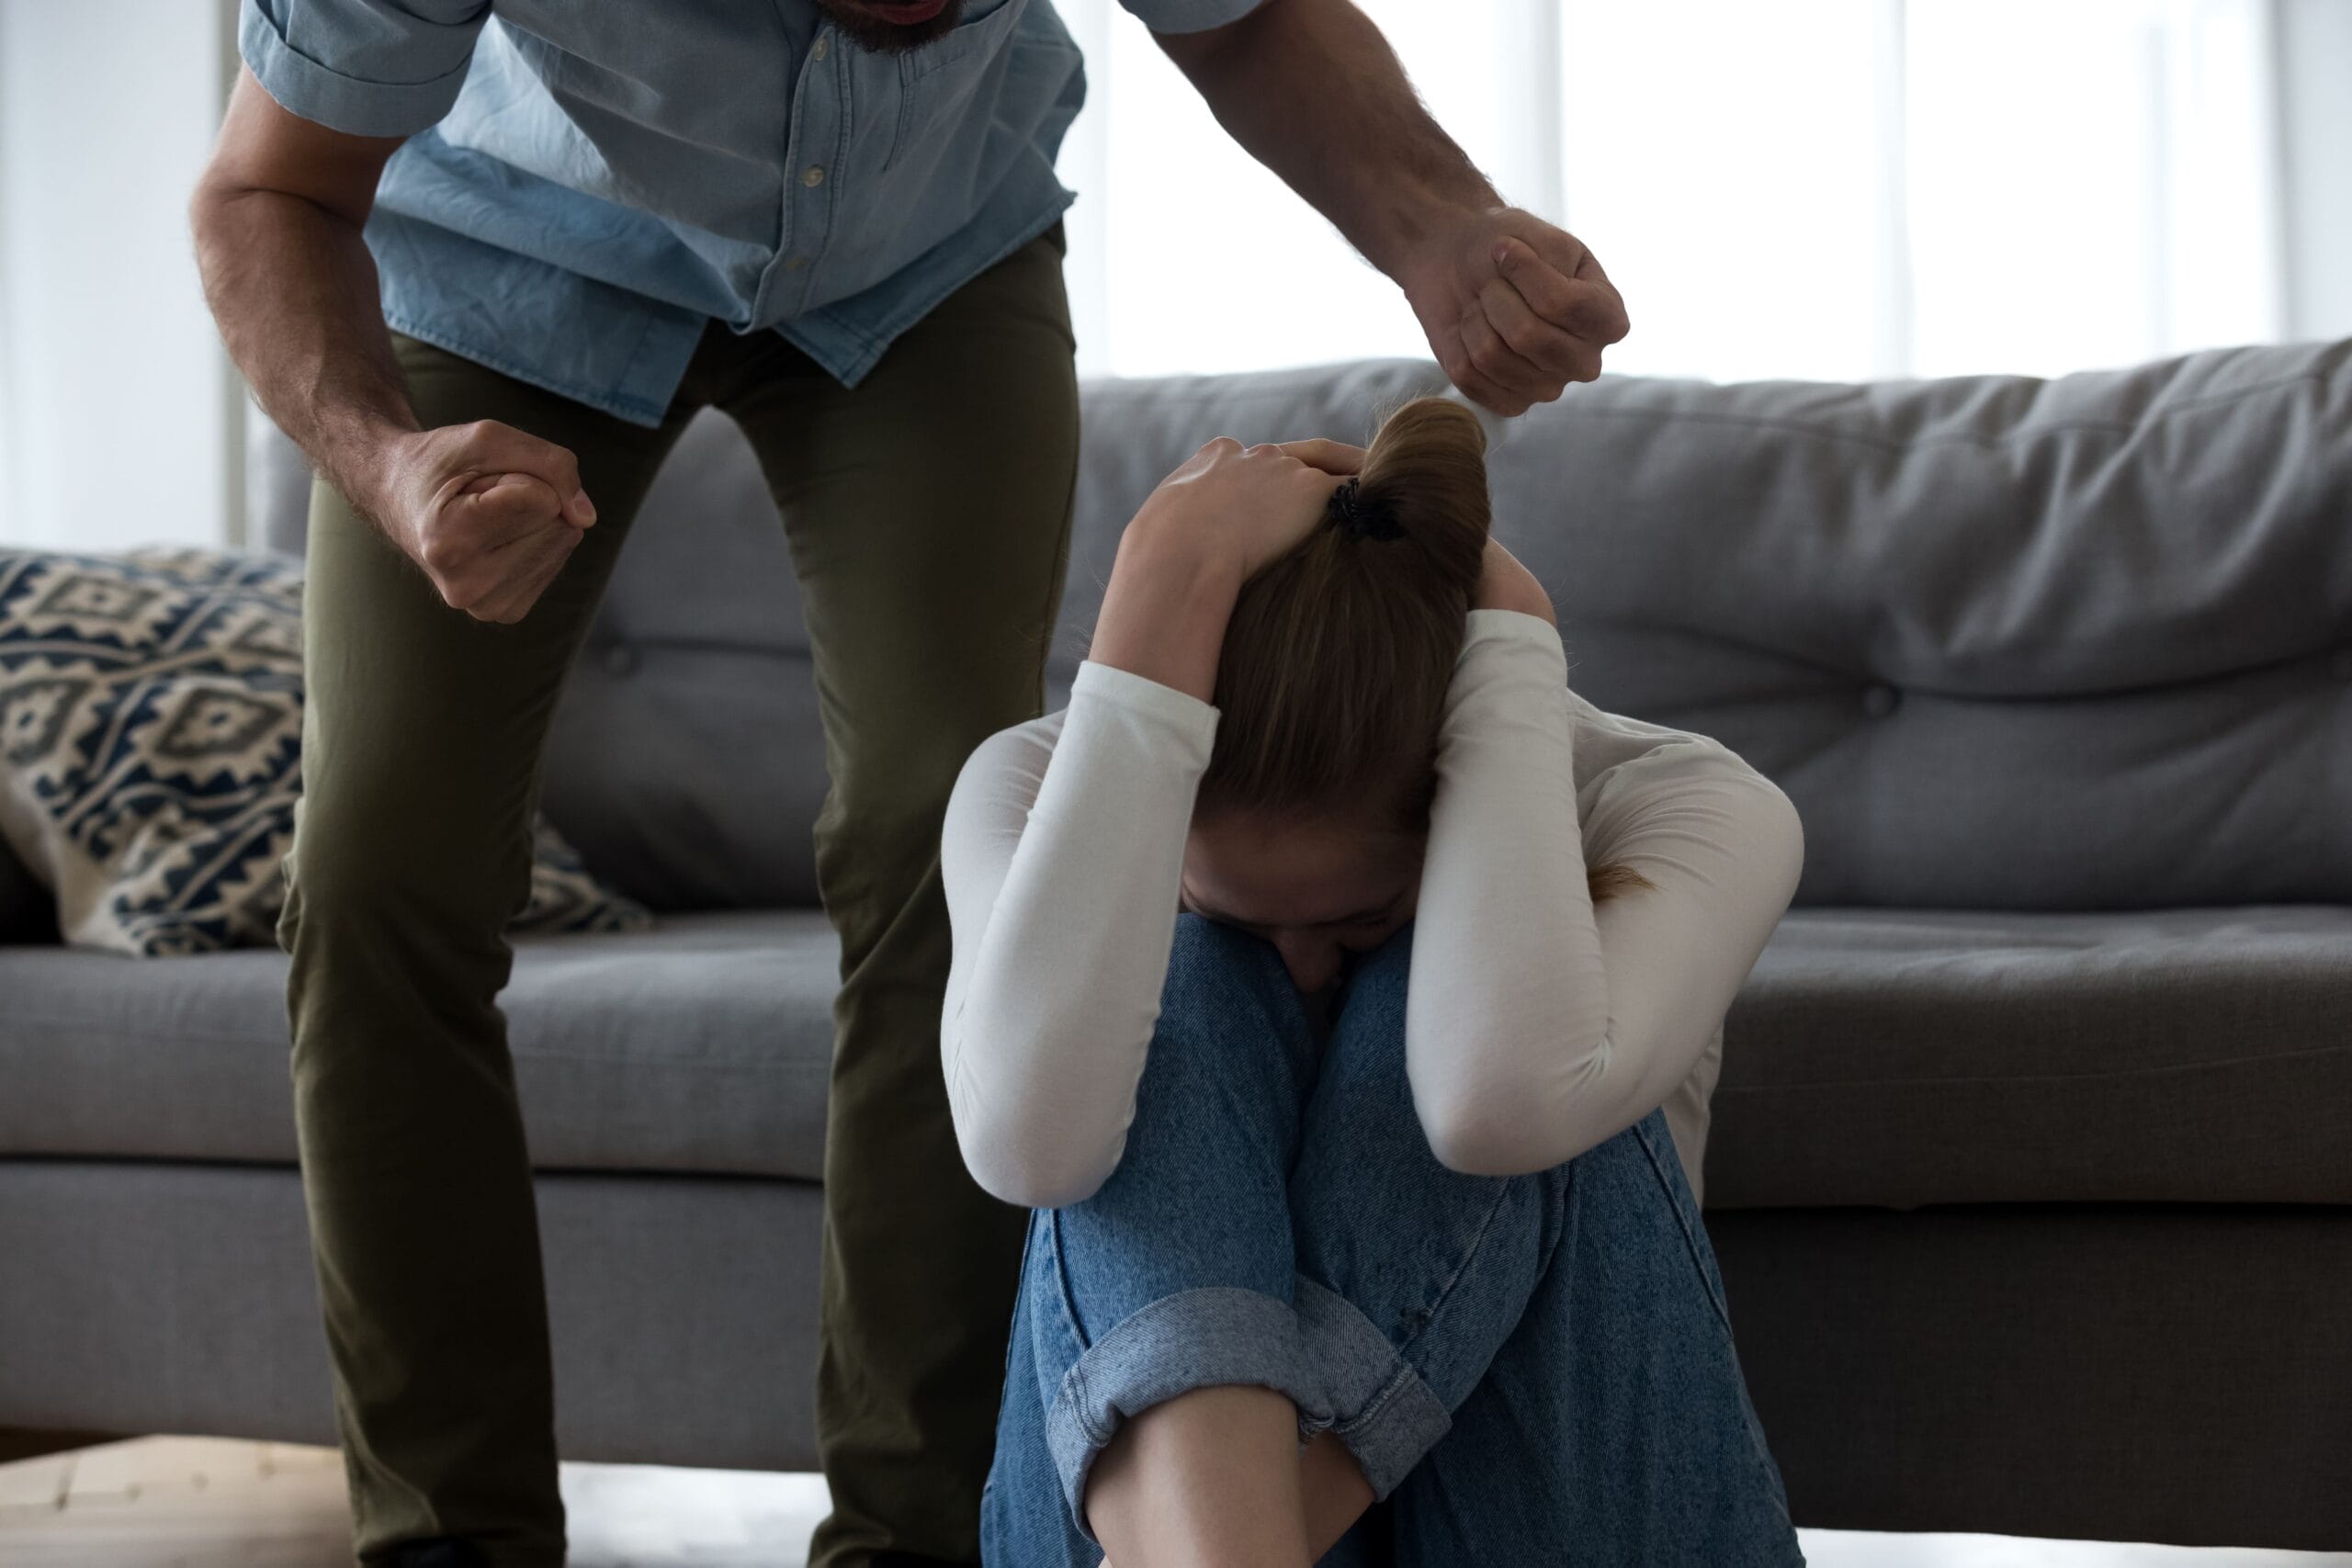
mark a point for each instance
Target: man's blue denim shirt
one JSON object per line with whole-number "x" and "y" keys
{"x": 587, "y": 183}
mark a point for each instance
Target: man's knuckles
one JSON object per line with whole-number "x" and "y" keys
{"x": 490, "y": 448}
{"x": 1573, "y": 293}
{"x": 470, "y": 567}
{"x": 442, "y": 554}
{"x": 1550, "y": 348}
{"x": 1598, "y": 313}
{"x": 1501, "y": 364}
{"x": 1548, "y": 292}
{"x": 508, "y": 490}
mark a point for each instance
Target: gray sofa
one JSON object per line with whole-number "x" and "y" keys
{"x": 2032, "y": 1175}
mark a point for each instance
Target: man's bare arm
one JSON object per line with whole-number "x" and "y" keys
{"x": 1312, "y": 89}
{"x": 489, "y": 512}
{"x": 277, "y": 216}
{"x": 1514, "y": 308}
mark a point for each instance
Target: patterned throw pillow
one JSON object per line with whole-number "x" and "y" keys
{"x": 150, "y": 730}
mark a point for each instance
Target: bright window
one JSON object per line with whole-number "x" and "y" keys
{"x": 1836, "y": 189}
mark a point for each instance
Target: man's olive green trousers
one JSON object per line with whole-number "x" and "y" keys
{"x": 928, "y": 515}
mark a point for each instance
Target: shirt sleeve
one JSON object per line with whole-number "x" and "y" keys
{"x": 1062, "y": 857}
{"x": 1189, "y": 16}
{"x": 365, "y": 67}
{"x": 1536, "y": 1026}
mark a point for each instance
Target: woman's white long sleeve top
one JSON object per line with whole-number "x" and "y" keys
{"x": 1537, "y": 1025}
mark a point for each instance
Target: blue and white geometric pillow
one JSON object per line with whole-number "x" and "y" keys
{"x": 150, "y": 731}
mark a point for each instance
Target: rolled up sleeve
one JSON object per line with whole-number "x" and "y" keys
{"x": 364, "y": 67}
{"x": 1189, "y": 16}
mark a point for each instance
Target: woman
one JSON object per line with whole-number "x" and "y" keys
{"x": 1345, "y": 999}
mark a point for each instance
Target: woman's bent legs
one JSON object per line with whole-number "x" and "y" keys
{"x": 1533, "y": 1368}
{"x": 1176, "y": 1274}
{"x": 1612, "y": 1426}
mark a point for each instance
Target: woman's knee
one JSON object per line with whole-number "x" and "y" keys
{"x": 1630, "y": 1194}
{"x": 1230, "y": 1024}
{"x": 1362, "y": 1108}
{"x": 1215, "y": 1123}
{"x": 1198, "y": 1195}
{"x": 1370, "y": 1016}
{"x": 1214, "y": 968}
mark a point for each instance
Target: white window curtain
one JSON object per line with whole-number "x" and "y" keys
{"x": 1830, "y": 189}
{"x": 119, "y": 417}
{"x": 1783, "y": 187}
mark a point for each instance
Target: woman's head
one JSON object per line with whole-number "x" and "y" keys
{"x": 1310, "y": 822}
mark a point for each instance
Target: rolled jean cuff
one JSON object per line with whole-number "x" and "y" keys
{"x": 1381, "y": 1409}
{"x": 1196, "y": 1338}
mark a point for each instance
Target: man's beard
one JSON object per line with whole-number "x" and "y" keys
{"x": 866, "y": 30}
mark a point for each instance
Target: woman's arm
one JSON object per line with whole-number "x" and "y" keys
{"x": 1536, "y": 1025}
{"x": 1063, "y": 881}
{"x": 1207, "y": 529}
{"x": 1062, "y": 885}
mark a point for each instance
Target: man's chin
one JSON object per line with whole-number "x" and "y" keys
{"x": 889, "y": 26}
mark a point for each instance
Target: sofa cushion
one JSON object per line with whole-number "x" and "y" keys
{"x": 1902, "y": 1058}
{"x": 700, "y": 1045}
{"x": 1872, "y": 1058}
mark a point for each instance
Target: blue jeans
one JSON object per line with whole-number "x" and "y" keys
{"x": 1528, "y": 1369}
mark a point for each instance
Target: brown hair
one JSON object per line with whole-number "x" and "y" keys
{"x": 1335, "y": 667}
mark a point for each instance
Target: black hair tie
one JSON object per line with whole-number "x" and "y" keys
{"x": 1357, "y": 518}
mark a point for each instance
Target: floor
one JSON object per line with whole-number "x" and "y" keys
{"x": 205, "y": 1503}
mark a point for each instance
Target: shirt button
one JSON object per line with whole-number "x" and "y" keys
{"x": 620, "y": 659}
{"x": 817, "y": 49}
{"x": 793, "y": 263}
{"x": 813, "y": 175}
{"x": 1879, "y": 699}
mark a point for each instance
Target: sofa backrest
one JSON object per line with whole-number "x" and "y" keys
{"x": 2008, "y": 643}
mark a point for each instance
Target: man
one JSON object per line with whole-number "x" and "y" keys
{"x": 484, "y": 262}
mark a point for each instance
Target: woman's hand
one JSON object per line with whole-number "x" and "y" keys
{"x": 1506, "y": 584}
{"x": 1208, "y": 529}
{"x": 1247, "y": 506}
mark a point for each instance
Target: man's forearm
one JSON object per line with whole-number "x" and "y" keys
{"x": 294, "y": 290}
{"x": 1313, "y": 91}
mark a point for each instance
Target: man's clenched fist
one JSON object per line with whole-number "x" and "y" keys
{"x": 1514, "y": 308}
{"x": 489, "y": 512}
